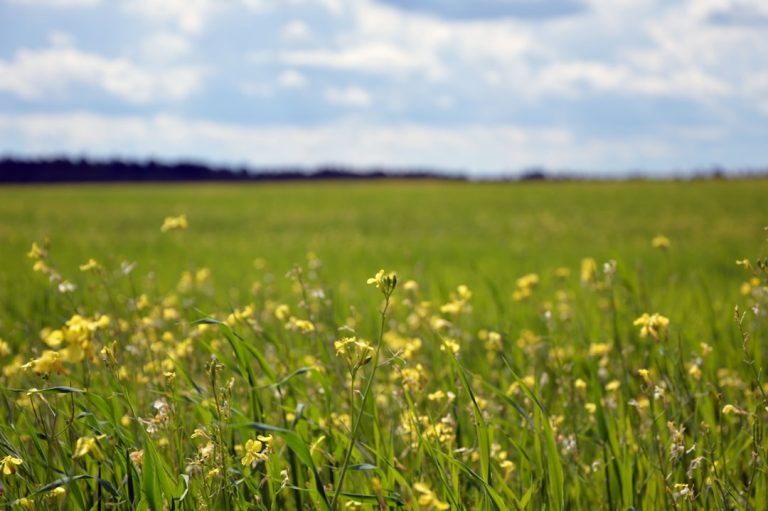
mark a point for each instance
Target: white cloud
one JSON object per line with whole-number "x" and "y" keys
{"x": 34, "y": 74}
{"x": 56, "y": 3}
{"x": 626, "y": 48}
{"x": 335, "y": 7}
{"x": 295, "y": 30}
{"x": 351, "y": 96}
{"x": 377, "y": 57}
{"x": 470, "y": 147}
{"x": 189, "y": 16}
{"x": 383, "y": 39}
{"x": 292, "y": 79}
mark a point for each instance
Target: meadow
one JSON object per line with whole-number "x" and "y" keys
{"x": 527, "y": 346}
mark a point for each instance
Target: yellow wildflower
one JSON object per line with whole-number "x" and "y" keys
{"x": 386, "y": 282}
{"x": 598, "y": 349}
{"x": 449, "y": 345}
{"x": 411, "y": 286}
{"x": 26, "y": 503}
{"x": 661, "y": 242}
{"x": 301, "y": 325}
{"x": 48, "y": 362}
{"x": 9, "y": 464}
{"x": 90, "y": 265}
{"x": 36, "y": 252}
{"x": 58, "y": 493}
{"x": 588, "y": 270}
{"x": 652, "y": 324}
{"x": 257, "y": 450}
{"x": 282, "y": 311}
{"x": 429, "y": 498}
{"x": 355, "y": 351}
{"x": 87, "y": 445}
{"x": 137, "y": 457}
{"x": 173, "y": 223}
{"x": 525, "y": 286}
{"x": 733, "y": 410}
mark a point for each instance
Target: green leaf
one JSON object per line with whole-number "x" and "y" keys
{"x": 239, "y": 346}
{"x": 297, "y": 372}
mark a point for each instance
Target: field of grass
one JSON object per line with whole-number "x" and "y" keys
{"x": 545, "y": 345}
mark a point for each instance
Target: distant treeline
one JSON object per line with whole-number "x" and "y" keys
{"x": 80, "y": 170}
{"x": 63, "y": 170}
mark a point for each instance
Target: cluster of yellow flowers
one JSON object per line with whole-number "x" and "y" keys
{"x": 654, "y": 325}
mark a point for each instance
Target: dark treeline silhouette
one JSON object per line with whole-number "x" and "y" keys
{"x": 64, "y": 170}
{"x": 14, "y": 170}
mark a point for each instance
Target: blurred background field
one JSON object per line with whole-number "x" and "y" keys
{"x": 440, "y": 233}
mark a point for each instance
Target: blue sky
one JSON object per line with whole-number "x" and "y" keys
{"x": 481, "y": 86}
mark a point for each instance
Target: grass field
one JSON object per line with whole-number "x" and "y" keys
{"x": 513, "y": 365}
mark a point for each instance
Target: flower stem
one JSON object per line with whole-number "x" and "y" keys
{"x": 358, "y": 420}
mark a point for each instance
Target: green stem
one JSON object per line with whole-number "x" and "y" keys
{"x": 358, "y": 420}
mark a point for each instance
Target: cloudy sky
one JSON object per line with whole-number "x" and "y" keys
{"x": 473, "y": 85}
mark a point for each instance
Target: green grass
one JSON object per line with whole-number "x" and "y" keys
{"x": 523, "y": 431}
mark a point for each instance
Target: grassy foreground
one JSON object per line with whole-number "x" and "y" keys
{"x": 568, "y": 346}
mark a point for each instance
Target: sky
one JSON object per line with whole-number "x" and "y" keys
{"x": 475, "y": 86}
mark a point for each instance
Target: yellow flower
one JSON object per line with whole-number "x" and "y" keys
{"x": 58, "y": 493}
{"x": 173, "y": 223}
{"x": 48, "y": 362}
{"x": 591, "y": 408}
{"x": 429, "y": 498}
{"x": 450, "y": 346}
{"x": 598, "y": 349}
{"x": 411, "y": 286}
{"x": 588, "y": 270}
{"x": 580, "y": 384}
{"x": 733, "y": 410}
{"x": 91, "y": 265}
{"x": 436, "y": 396}
{"x": 137, "y": 457}
{"x": 26, "y": 503}
{"x": 355, "y": 351}
{"x": 613, "y": 386}
{"x": 87, "y": 445}
{"x": 257, "y": 450}
{"x": 9, "y": 464}
{"x": 386, "y": 282}
{"x": 660, "y": 241}
{"x": 645, "y": 374}
{"x": 652, "y": 324}
{"x": 525, "y": 286}
{"x": 36, "y": 252}
{"x": 282, "y": 311}
{"x": 301, "y": 325}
